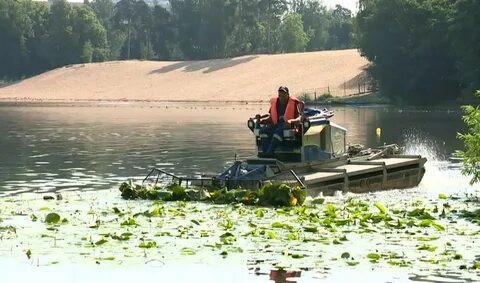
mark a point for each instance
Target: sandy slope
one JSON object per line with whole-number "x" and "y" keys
{"x": 247, "y": 78}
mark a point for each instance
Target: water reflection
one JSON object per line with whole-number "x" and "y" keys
{"x": 90, "y": 148}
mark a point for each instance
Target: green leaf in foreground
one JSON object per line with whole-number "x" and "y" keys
{"x": 52, "y": 218}
{"x": 147, "y": 245}
{"x": 100, "y": 242}
{"x": 129, "y": 222}
{"x": 311, "y": 229}
{"x": 271, "y": 235}
{"x": 373, "y": 256}
{"x": 109, "y": 258}
{"x": 425, "y": 247}
{"x": 401, "y": 263}
{"x": 297, "y": 256}
{"x": 227, "y": 238}
{"x": 259, "y": 213}
{"x": 345, "y": 255}
{"x": 380, "y": 207}
{"x": 352, "y": 263}
{"x": 187, "y": 251}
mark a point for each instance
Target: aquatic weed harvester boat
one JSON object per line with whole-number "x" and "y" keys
{"x": 314, "y": 156}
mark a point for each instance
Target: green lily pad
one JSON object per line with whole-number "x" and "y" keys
{"x": 52, "y": 218}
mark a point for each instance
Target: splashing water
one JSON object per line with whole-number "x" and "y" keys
{"x": 420, "y": 143}
{"x": 440, "y": 176}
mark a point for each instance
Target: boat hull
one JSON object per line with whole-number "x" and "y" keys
{"x": 386, "y": 173}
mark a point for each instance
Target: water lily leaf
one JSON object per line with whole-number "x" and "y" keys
{"x": 187, "y": 251}
{"x": 292, "y": 236}
{"x": 311, "y": 229}
{"x": 345, "y": 255}
{"x": 401, "y": 263}
{"x": 297, "y": 256}
{"x": 129, "y": 222}
{"x": 147, "y": 245}
{"x": 227, "y": 224}
{"x": 442, "y": 196}
{"x": 343, "y": 238}
{"x": 227, "y": 238}
{"x": 236, "y": 250}
{"x": 259, "y": 213}
{"x": 46, "y": 236}
{"x": 281, "y": 225}
{"x": 100, "y": 242}
{"x": 457, "y": 256}
{"x": 438, "y": 227}
{"x": 425, "y": 247}
{"x": 342, "y": 222}
{"x": 52, "y": 218}
{"x": 373, "y": 256}
{"x": 96, "y": 225}
{"x": 427, "y": 239}
{"x": 157, "y": 211}
{"x": 380, "y": 207}
{"x": 271, "y": 235}
{"x": 352, "y": 263}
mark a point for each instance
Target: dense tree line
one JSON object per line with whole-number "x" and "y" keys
{"x": 422, "y": 51}
{"x": 38, "y": 36}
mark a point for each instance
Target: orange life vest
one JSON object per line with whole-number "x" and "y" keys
{"x": 289, "y": 111}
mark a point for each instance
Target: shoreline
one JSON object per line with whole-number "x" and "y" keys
{"x": 371, "y": 99}
{"x": 122, "y": 102}
{"x": 365, "y": 99}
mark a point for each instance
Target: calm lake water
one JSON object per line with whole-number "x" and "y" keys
{"x": 46, "y": 149}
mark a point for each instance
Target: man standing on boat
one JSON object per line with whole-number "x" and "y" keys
{"x": 285, "y": 113}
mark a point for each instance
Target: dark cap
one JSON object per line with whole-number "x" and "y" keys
{"x": 283, "y": 89}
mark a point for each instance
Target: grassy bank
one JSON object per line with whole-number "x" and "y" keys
{"x": 373, "y": 98}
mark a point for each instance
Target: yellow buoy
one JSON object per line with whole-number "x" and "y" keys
{"x": 378, "y": 131}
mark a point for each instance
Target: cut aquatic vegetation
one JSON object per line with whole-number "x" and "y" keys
{"x": 268, "y": 195}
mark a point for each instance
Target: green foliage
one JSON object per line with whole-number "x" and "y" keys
{"x": 87, "y": 52}
{"x": 340, "y": 29}
{"x": 471, "y": 155}
{"x": 293, "y": 37}
{"x": 38, "y": 37}
{"x": 52, "y": 218}
{"x": 464, "y": 32}
{"x": 408, "y": 44}
{"x": 267, "y": 195}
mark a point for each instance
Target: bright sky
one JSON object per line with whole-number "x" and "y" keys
{"x": 350, "y": 4}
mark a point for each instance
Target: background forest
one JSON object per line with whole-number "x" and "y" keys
{"x": 421, "y": 51}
